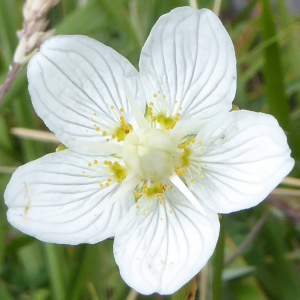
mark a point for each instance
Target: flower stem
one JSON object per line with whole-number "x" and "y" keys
{"x": 218, "y": 263}
{"x": 217, "y": 6}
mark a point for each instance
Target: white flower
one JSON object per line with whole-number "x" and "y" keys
{"x": 153, "y": 157}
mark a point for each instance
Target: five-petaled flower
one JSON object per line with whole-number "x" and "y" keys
{"x": 152, "y": 157}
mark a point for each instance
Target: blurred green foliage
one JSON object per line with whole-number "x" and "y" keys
{"x": 267, "y": 42}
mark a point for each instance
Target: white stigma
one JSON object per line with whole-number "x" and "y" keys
{"x": 149, "y": 153}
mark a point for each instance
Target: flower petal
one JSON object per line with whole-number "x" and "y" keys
{"x": 189, "y": 58}
{"x": 76, "y": 87}
{"x": 161, "y": 244}
{"x": 57, "y": 198}
{"x": 244, "y": 156}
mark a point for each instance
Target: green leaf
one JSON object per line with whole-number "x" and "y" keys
{"x": 85, "y": 20}
{"x": 187, "y": 292}
{"x": 4, "y": 291}
{"x": 235, "y": 273}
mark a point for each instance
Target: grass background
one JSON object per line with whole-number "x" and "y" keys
{"x": 266, "y": 266}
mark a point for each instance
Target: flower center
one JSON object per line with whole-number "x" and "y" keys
{"x": 149, "y": 152}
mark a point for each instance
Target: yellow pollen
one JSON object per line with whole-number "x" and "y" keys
{"x": 166, "y": 122}
{"x": 154, "y": 95}
{"x": 107, "y": 184}
{"x": 171, "y": 211}
{"x": 164, "y": 96}
{"x": 120, "y": 172}
{"x": 89, "y": 164}
{"x": 185, "y": 157}
{"x": 95, "y": 161}
{"x": 122, "y": 131}
{"x": 100, "y": 184}
{"x": 83, "y": 172}
{"x": 192, "y": 180}
{"x": 95, "y": 114}
{"x": 136, "y": 195}
{"x": 201, "y": 175}
{"x": 109, "y": 180}
{"x": 144, "y": 214}
{"x": 138, "y": 207}
{"x": 151, "y": 103}
{"x": 121, "y": 110}
{"x": 104, "y": 133}
{"x": 112, "y": 107}
{"x": 156, "y": 189}
{"x": 98, "y": 129}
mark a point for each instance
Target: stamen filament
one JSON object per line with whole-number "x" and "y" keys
{"x": 139, "y": 117}
{"x": 177, "y": 134}
{"x": 186, "y": 192}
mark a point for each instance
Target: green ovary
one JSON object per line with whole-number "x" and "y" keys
{"x": 149, "y": 153}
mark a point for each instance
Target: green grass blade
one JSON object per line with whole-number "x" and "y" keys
{"x": 218, "y": 263}
{"x": 55, "y": 265}
{"x": 273, "y": 70}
